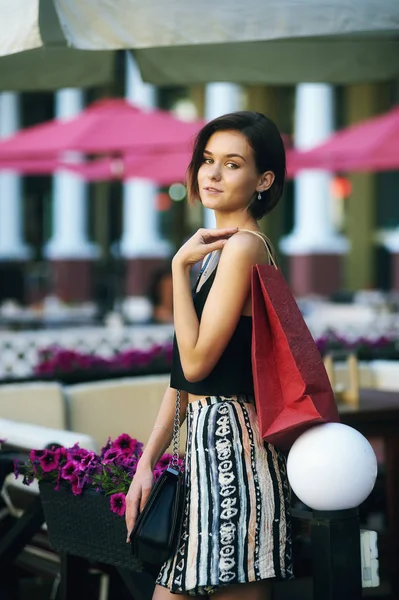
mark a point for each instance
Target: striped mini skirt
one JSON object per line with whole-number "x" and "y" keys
{"x": 236, "y": 525}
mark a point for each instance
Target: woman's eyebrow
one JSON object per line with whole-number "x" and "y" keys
{"x": 233, "y": 155}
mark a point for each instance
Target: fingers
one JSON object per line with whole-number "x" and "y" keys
{"x": 210, "y": 234}
{"x": 144, "y": 498}
{"x": 135, "y": 504}
{"x": 214, "y": 246}
{"x": 132, "y": 511}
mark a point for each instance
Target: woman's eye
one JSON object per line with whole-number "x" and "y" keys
{"x": 232, "y": 165}
{"x": 207, "y": 161}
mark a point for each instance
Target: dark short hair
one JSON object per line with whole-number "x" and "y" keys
{"x": 268, "y": 148}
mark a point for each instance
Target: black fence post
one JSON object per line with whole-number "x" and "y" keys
{"x": 336, "y": 555}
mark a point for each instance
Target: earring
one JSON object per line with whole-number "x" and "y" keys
{"x": 259, "y": 196}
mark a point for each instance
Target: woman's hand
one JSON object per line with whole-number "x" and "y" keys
{"x": 202, "y": 243}
{"x": 137, "y": 496}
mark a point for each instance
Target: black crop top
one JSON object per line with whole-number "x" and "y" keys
{"x": 232, "y": 374}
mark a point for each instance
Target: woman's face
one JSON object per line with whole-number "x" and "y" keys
{"x": 228, "y": 178}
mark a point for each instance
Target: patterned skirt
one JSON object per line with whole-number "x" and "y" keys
{"x": 236, "y": 526}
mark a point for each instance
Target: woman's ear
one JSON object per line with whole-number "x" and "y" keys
{"x": 266, "y": 181}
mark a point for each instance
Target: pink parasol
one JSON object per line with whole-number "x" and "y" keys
{"x": 32, "y": 166}
{"x": 162, "y": 168}
{"x": 372, "y": 145}
{"x": 106, "y": 126}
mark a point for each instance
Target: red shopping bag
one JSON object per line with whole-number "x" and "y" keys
{"x": 292, "y": 389}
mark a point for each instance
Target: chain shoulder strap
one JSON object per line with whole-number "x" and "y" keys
{"x": 176, "y": 434}
{"x": 267, "y": 243}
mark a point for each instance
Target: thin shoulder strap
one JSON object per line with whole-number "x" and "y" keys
{"x": 267, "y": 243}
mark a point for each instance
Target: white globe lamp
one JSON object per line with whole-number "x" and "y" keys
{"x": 332, "y": 467}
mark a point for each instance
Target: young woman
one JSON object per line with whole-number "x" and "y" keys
{"x": 236, "y": 529}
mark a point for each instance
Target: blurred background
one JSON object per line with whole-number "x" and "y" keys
{"x": 99, "y": 105}
{"x": 89, "y": 247}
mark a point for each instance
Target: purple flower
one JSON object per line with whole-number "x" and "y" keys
{"x": 69, "y": 470}
{"x": 129, "y": 462}
{"x": 36, "y": 454}
{"x": 82, "y": 478}
{"x": 107, "y": 446}
{"x": 76, "y": 488}
{"x": 89, "y": 461}
{"x": 16, "y": 468}
{"x": 49, "y": 461}
{"x": 111, "y": 455}
{"x": 126, "y": 444}
{"x": 55, "y": 359}
{"x": 163, "y": 463}
{"x": 76, "y": 453}
{"x": 62, "y": 452}
{"x": 129, "y": 465}
{"x": 118, "y": 504}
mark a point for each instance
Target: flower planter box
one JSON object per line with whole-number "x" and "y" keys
{"x": 77, "y": 376}
{"x": 85, "y": 526}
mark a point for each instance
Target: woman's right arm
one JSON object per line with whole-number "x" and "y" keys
{"x": 159, "y": 440}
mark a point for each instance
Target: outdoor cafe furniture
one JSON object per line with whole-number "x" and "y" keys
{"x": 36, "y": 402}
{"x": 108, "y": 408}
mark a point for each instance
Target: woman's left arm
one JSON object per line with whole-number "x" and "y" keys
{"x": 202, "y": 343}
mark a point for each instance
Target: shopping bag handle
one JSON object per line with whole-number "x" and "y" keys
{"x": 266, "y": 241}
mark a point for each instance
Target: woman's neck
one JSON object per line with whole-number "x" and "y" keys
{"x": 241, "y": 221}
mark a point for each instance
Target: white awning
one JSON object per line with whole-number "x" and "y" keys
{"x": 35, "y": 55}
{"x": 247, "y": 41}
{"x": 46, "y": 44}
{"x": 107, "y": 24}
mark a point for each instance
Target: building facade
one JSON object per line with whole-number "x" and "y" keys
{"x": 102, "y": 241}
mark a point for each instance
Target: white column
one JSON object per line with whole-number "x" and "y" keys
{"x": 12, "y": 247}
{"x": 313, "y": 232}
{"x": 69, "y": 223}
{"x": 140, "y": 237}
{"x": 220, "y": 99}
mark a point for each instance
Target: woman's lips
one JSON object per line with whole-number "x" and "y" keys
{"x": 212, "y": 190}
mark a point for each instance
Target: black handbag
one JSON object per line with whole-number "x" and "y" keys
{"x": 156, "y": 531}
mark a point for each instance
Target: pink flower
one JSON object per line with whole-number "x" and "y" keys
{"x": 118, "y": 504}
{"x": 107, "y": 446}
{"x": 76, "y": 453}
{"x": 126, "y": 444}
{"x": 111, "y": 455}
{"x": 36, "y": 454}
{"x": 76, "y": 489}
{"x": 68, "y": 471}
{"x": 49, "y": 461}
{"x": 62, "y": 452}
{"x": 89, "y": 461}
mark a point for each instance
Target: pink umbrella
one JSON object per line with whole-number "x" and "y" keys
{"x": 162, "y": 168}
{"x": 106, "y": 126}
{"x": 32, "y": 166}
{"x": 369, "y": 146}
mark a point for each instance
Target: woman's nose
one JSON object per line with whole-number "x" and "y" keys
{"x": 215, "y": 172}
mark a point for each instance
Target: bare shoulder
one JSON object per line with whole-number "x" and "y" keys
{"x": 244, "y": 247}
